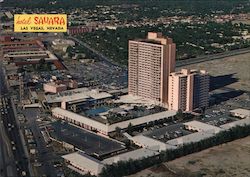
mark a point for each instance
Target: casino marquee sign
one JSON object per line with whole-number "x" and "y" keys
{"x": 40, "y": 23}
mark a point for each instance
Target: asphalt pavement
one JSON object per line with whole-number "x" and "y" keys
{"x": 84, "y": 140}
{"x": 100, "y": 55}
{"x": 179, "y": 63}
{"x": 12, "y": 148}
{"x": 44, "y": 156}
{"x": 7, "y": 165}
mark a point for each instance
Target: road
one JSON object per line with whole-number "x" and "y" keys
{"x": 179, "y": 63}
{"x": 7, "y": 162}
{"x": 44, "y": 156}
{"x": 100, "y": 56}
{"x": 212, "y": 57}
{"x": 19, "y": 164}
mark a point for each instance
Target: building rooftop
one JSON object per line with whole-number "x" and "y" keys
{"x": 185, "y": 72}
{"x": 9, "y": 14}
{"x": 133, "y": 155}
{"x": 54, "y": 84}
{"x": 135, "y": 100}
{"x": 156, "y": 38}
{"x": 202, "y": 127}
{"x": 79, "y": 118}
{"x": 151, "y": 143}
{"x": 63, "y": 42}
{"x": 241, "y": 122}
{"x": 242, "y": 112}
{"x": 34, "y": 94}
{"x": 18, "y": 42}
{"x": 191, "y": 138}
{"x": 144, "y": 119}
{"x": 124, "y": 91}
{"x": 79, "y": 159}
{"x": 112, "y": 127}
{"x": 151, "y": 41}
{"x": 76, "y": 94}
{"x": 47, "y": 55}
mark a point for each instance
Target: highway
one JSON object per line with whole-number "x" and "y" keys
{"x": 179, "y": 63}
{"x": 14, "y": 162}
{"x": 201, "y": 59}
{"x": 7, "y": 163}
{"x": 100, "y": 56}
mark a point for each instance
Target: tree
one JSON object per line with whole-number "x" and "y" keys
{"x": 20, "y": 70}
{"x": 70, "y": 51}
{"x": 124, "y": 168}
{"x": 79, "y": 57}
{"x": 179, "y": 115}
{"x": 118, "y": 131}
{"x": 130, "y": 128}
{"x": 203, "y": 110}
{"x": 40, "y": 63}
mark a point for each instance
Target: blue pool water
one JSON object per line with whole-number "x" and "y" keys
{"x": 96, "y": 111}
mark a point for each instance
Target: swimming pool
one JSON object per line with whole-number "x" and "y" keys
{"x": 96, "y": 111}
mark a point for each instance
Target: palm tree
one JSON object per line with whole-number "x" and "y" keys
{"x": 118, "y": 131}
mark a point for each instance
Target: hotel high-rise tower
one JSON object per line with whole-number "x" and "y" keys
{"x": 150, "y": 63}
{"x": 188, "y": 90}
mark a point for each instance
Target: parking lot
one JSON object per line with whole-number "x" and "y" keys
{"x": 84, "y": 140}
{"x": 98, "y": 74}
{"x": 216, "y": 115}
{"x": 220, "y": 114}
{"x": 44, "y": 156}
{"x": 167, "y": 132}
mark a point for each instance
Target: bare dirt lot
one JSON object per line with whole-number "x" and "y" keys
{"x": 227, "y": 160}
{"x": 233, "y": 71}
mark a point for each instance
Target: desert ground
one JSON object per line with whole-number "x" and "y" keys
{"x": 226, "y": 160}
{"x": 234, "y": 71}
